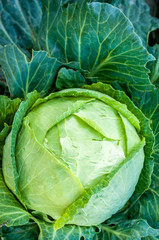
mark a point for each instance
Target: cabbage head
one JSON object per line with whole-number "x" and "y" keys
{"x": 78, "y": 153}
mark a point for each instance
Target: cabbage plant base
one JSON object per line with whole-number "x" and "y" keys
{"x": 88, "y": 200}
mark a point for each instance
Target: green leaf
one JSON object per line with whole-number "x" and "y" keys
{"x": 138, "y": 13}
{"x": 26, "y": 232}
{"x": 4, "y": 132}
{"x": 154, "y": 74}
{"x": 148, "y": 103}
{"x": 150, "y": 238}
{"x": 12, "y": 212}
{"x": 3, "y": 135}
{"x": 12, "y": 170}
{"x": 128, "y": 230}
{"x": 69, "y": 232}
{"x": 149, "y": 202}
{"x": 53, "y": 10}
{"x": 68, "y": 78}
{"x": 19, "y": 22}
{"x": 54, "y": 6}
{"x": 23, "y": 76}
{"x": 7, "y": 110}
{"x": 113, "y": 54}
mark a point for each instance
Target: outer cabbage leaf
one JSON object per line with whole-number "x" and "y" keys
{"x": 12, "y": 212}
{"x": 24, "y": 76}
{"x": 12, "y": 170}
{"x": 99, "y": 56}
{"x": 39, "y": 73}
{"x": 150, "y": 201}
{"x": 133, "y": 229}
{"x": 8, "y": 108}
{"x": 150, "y": 238}
{"x": 154, "y": 66}
{"x": 147, "y": 206}
{"x": 52, "y": 11}
{"x": 3, "y": 135}
{"x": 26, "y": 232}
{"x": 19, "y": 22}
{"x": 68, "y": 78}
{"x": 68, "y": 232}
{"x": 138, "y": 13}
{"x": 76, "y": 34}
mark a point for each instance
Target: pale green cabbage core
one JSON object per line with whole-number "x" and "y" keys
{"x": 65, "y": 146}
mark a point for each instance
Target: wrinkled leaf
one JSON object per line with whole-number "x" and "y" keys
{"x": 139, "y": 14}
{"x": 68, "y": 78}
{"x": 128, "y": 230}
{"x": 12, "y": 212}
{"x": 25, "y": 232}
{"x": 3, "y": 135}
{"x": 150, "y": 238}
{"x": 24, "y": 76}
{"x": 154, "y": 67}
{"x": 19, "y": 22}
{"x": 8, "y": 108}
{"x": 150, "y": 201}
{"x": 22, "y": 110}
{"x": 69, "y": 232}
{"x": 76, "y": 34}
{"x": 52, "y": 11}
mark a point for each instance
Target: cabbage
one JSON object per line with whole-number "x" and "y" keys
{"x": 81, "y": 163}
{"x": 73, "y": 141}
